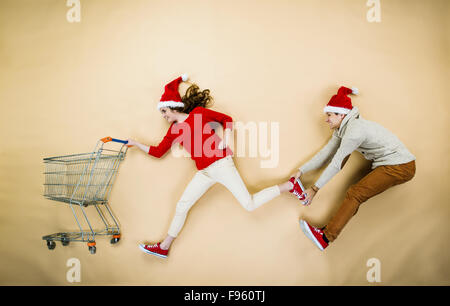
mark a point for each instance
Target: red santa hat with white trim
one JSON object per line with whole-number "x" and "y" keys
{"x": 171, "y": 97}
{"x": 340, "y": 103}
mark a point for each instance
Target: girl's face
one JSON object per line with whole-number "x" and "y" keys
{"x": 334, "y": 120}
{"x": 168, "y": 114}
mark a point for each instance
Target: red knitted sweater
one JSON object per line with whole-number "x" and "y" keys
{"x": 197, "y": 136}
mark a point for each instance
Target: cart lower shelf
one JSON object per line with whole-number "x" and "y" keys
{"x": 70, "y": 200}
{"x": 87, "y": 236}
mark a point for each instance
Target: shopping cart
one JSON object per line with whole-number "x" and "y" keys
{"x": 84, "y": 180}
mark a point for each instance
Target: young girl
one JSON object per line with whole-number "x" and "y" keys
{"x": 190, "y": 125}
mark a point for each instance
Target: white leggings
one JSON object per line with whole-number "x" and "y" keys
{"x": 224, "y": 172}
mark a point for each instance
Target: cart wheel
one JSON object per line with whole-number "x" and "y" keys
{"x": 51, "y": 244}
{"x": 65, "y": 241}
{"x": 115, "y": 239}
{"x": 92, "y": 249}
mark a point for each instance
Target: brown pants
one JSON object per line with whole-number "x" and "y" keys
{"x": 377, "y": 181}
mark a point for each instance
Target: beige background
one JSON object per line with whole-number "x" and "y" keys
{"x": 65, "y": 85}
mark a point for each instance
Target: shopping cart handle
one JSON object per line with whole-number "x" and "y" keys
{"x": 108, "y": 139}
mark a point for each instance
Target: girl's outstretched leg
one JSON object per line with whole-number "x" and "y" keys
{"x": 226, "y": 174}
{"x": 195, "y": 189}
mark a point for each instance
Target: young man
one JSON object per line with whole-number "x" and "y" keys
{"x": 392, "y": 163}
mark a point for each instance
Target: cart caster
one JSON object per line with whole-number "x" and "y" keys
{"x": 115, "y": 239}
{"x": 51, "y": 244}
{"x": 65, "y": 241}
{"x": 92, "y": 248}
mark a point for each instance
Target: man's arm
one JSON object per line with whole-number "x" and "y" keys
{"x": 322, "y": 156}
{"x": 348, "y": 145}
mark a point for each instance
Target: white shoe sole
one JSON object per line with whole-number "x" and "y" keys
{"x": 301, "y": 185}
{"x": 306, "y": 230}
{"x": 141, "y": 246}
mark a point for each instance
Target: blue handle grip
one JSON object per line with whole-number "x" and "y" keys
{"x": 107, "y": 139}
{"x": 118, "y": 140}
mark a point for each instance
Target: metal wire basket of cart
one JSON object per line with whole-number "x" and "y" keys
{"x": 82, "y": 181}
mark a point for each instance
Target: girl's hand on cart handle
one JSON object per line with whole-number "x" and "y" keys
{"x": 131, "y": 142}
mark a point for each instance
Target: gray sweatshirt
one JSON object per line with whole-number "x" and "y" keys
{"x": 371, "y": 139}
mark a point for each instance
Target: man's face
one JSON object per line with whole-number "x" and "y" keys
{"x": 334, "y": 120}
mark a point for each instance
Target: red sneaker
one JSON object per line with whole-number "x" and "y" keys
{"x": 154, "y": 249}
{"x": 314, "y": 234}
{"x": 298, "y": 190}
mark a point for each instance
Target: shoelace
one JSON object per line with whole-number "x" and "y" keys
{"x": 317, "y": 230}
{"x": 301, "y": 196}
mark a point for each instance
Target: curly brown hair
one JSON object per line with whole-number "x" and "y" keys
{"x": 193, "y": 98}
